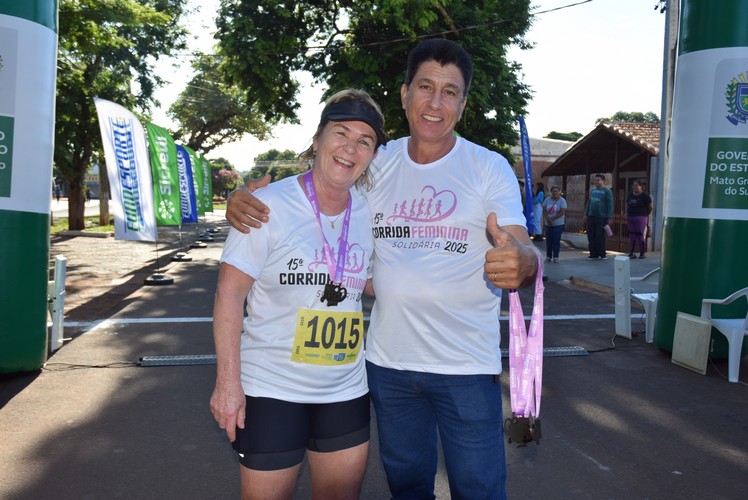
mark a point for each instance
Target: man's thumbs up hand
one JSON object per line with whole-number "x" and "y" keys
{"x": 512, "y": 262}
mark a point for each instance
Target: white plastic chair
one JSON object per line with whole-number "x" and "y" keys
{"x": 623, "y": 295}
{"x": 56, "y": 303}
{"x": 734, "y": 329}
{"x": 649, "y": 303}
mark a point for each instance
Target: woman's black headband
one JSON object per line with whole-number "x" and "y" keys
{"x": 350, "y": 110}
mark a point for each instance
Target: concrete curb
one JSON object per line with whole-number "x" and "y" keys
{"x": 606, "y": 290}
{"x": 87, "y": 234}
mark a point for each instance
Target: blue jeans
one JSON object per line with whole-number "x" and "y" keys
{"x": 465, "y": 411}
{"x": 553, "y": 240}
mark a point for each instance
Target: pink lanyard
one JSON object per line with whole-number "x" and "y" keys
{"x": 526, "y": 352}
{"x": 335, "y": 270}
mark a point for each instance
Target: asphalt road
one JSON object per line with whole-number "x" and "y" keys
{"x": 621, "y": 422}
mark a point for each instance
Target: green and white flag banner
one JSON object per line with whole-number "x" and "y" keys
{"x": 128, "y": 171}
{"x": 165, "y": 172}
{"x": 27, "y": 81}
{"x": 207, "y": 192}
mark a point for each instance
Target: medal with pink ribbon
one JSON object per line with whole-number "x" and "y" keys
{"x": 525, "y": 366}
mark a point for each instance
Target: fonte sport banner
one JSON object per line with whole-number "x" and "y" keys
{"x": 128, "y": 171}
{"x": 188, "y": 204}
{"x": 198, "y": 179}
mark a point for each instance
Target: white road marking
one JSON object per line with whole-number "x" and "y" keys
{"x": 89, "y": 326}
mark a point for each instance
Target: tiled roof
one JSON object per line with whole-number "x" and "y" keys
{"x": 643, "y": 134}
{"x": 608, "y": 146}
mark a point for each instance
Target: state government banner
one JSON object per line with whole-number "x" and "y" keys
{"x": 28, "y": 56}
{"x": 188, "y": 205}
{"x": 706, "y": 192}
{"x": 166, "y": 198}
{"x": 128, "y": 170}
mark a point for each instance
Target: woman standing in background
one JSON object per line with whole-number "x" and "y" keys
{"x": 537, "y": 211}
{"x": 554, "y": 214}
{"x": 638, "y": 208}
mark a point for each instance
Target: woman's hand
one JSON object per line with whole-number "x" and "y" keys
{"x": 228, "y": 406}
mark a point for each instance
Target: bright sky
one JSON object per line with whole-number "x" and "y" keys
{"x": 589, "y": 61}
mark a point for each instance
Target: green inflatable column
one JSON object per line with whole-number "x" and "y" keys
{"x": 28, "y": 55}
{"x": 706, "y": 194}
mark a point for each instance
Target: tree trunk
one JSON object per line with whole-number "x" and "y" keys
{"x": 103, "y": 195}
{"x": 76, "y": 205}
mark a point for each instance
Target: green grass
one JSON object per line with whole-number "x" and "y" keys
{"x": 61, "y": 224}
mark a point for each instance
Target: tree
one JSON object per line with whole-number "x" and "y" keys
{"x": 632, "y": 116}
{"x": 212, "y": 112}
{"x": 277, "y": 164}
{"x": 220, "y": 163}
{"x": 263, "y": 43}
{"x": 564, "y": 136}
{"x": 275, "y": 155}
{"x": 105, "y": 49}
{"x": 224, "y": 180}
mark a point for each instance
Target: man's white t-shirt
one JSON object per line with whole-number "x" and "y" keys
{"x": 435, "y": 309}
{"x": 286, "y": 259}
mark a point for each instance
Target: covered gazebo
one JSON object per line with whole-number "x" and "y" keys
{"x": 624, "y": 152}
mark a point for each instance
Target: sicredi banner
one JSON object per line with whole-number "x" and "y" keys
{"x": 165, "y": 173}
{"x": 28, "y": 61}
{"x": 207, "y": 193}
{"x": 128, "y": 171}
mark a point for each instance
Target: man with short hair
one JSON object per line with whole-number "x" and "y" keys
{"x": 597, "y": 214}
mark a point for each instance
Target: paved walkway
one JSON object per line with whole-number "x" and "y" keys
{"x": 622, "y": 422}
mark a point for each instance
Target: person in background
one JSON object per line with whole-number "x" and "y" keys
{"x": 521, "y": 185}
{"x": 433, "y": 355}
{"x": 598, "y": 213}
{"x": 537, "y": 211}
{"x": 282, "y": 391}
{"x": 554, "y": 216}
{"x": 638, "y": 208}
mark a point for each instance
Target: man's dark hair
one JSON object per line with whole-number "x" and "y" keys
{"x": 444, "y": 52}
{"x": 600, "y": 176}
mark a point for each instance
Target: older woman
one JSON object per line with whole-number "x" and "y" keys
{"x": 291, "y": 378}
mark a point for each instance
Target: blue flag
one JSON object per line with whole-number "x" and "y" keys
{"x": 187, "y": 204}
{"x": 525, "y": 139}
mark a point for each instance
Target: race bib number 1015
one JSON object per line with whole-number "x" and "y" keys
{"x": 327, "y": 338}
